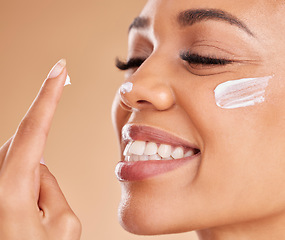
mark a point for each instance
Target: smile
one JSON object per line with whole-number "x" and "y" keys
{"x": 149, "y": 152}
{"x": 145, "y": 151}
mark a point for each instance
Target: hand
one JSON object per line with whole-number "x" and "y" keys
{"x": 32, "y": 206}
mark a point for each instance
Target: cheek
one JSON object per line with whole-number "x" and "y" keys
{"x": 242, "y": 163}
{"x": 240, "y": 171}
{"x": 241, "y": 93}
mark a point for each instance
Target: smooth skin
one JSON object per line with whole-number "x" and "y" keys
{"x": 28, "y": 191}
{"x": 236, "y": 191}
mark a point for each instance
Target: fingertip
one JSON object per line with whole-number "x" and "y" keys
{"x": 57, "y": 69}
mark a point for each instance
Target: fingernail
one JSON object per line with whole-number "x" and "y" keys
{"x": 42, "y": 161}
{"x": 57, "y": 68}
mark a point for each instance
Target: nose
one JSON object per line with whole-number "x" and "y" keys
{"x": 147, "y": 91}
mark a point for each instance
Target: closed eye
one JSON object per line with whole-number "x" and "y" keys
{"x": 131, "y": 63}
{"x": 192, "y": 58}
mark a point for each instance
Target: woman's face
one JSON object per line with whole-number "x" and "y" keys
{"x": 183, "y": 50}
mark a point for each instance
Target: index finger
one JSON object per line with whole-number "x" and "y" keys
{"x": 4, "y": 150}
{"x": 27, "y": 147}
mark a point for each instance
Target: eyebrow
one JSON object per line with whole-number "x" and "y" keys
{"x": 192, "y": 16}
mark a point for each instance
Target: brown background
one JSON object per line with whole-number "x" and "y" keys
{"x": 82, "y": 150}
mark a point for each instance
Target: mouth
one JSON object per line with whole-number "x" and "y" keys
{"x": 150, "y": 151}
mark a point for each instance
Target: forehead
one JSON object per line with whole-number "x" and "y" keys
{"x": 253, "y": 12}
{"x": 234, "y": 6}
{"x": 265, "y": 18}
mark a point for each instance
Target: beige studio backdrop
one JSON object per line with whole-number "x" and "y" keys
{"x": 82, "y": 149}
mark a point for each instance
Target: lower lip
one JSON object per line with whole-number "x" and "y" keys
{"x": 141, "y": 170}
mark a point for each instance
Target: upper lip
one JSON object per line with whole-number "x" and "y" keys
{"x": 133, "y": 132}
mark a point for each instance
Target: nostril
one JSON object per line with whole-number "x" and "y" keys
{"x": 144, "y": 104}
{"x": 142, "y": 101}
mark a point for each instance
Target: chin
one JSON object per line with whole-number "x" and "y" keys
{"x": 135, "y": 217}
{"x": 139, "y": 224}
{"x": 136, "y": 222}
{"x": 143, "y": 216}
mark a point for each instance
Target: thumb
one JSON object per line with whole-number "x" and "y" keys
{"x": 57, "y": 215}
{"x": 51, "y": 198}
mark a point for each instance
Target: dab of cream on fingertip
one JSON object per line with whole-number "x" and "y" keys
{"x": 67, "y": 81}
{"x": 126, "y": 87}
{"x": 241, "y": 93}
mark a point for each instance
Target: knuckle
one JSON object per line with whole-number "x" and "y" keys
{"x": 70, "y": 221}
{"x": 29, "y": 126}
{"x": 26, "y": 126}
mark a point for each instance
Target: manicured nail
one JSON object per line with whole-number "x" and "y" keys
{"x": 42, "y": 161}
{"x": 57, "y": 68}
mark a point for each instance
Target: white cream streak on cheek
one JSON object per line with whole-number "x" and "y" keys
{"x": 241, "y": 93}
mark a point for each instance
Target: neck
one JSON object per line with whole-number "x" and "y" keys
{"x": 262, "y": 229}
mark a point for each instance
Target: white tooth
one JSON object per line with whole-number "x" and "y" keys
{"x": 126, "y": 151}
{"x": 155, "y": 157}
{"x": 164, "y": 150}
{"x": 135, "y": 158}
{"x": 143, "y": 158}
{"x": 127, "y": 158}
{"x": 178, "y": 153}
{"x": 167, "y": 158}
{"x": 189, "y": 153}
{"x": 150, "y": 148}
{"x": 137, "y": 147}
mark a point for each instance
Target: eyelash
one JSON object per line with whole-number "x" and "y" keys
{"x": 193, "y": 58}
{"x": 186, "y": 56}
{"x": 131, "y": 63}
